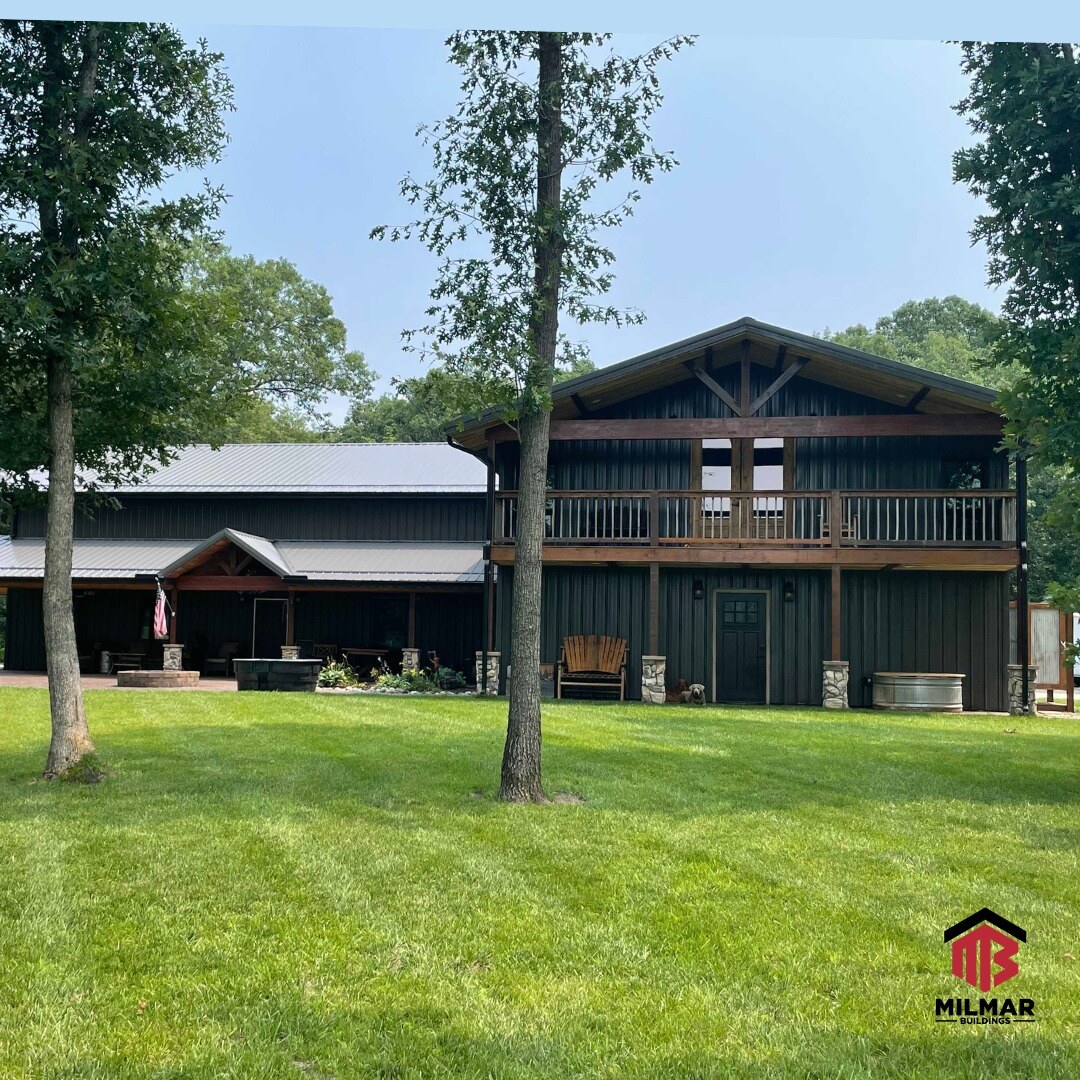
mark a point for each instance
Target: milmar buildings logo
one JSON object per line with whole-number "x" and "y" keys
{"x": 984, "y": 948}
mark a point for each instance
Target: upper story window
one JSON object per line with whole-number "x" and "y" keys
{"x": 964, "y": 473}
{"x": 742, "y": 465}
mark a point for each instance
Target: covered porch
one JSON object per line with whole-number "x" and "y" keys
{"x": 236, "y": 595}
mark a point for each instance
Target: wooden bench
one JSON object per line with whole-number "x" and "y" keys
{"x": 592, "y": 662}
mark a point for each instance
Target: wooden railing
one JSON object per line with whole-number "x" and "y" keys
{"x": 785, "y": 518}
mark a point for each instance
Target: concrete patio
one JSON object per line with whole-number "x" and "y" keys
{"x": 39, "y": 680}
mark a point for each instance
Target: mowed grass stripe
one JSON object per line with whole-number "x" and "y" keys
{"x": 299, "y": 885}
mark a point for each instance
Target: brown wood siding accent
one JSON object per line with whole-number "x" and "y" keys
{"x": 756, "y": 427}
{"x": 820, "y": 463}
{"x": 989, "y": 559}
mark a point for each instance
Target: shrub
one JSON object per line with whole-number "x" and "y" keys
{"x": 449, "y": 679}
{"x": 337, "y": 674}
{"x": 409, "y": 679}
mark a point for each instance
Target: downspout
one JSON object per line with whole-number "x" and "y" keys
{"x": 489, "y": 504}
{"x": 1023, "y": 631}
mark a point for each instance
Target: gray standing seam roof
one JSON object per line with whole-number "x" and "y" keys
{"x": 315, "y": 468}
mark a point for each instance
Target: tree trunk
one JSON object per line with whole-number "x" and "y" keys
{"x": 521, "y": 774}
{"x": 70, "y": 734}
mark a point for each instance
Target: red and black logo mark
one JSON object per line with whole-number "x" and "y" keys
{"x": 984, "y": 947}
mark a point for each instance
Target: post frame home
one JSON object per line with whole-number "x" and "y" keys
{"x": 372, "y": 552}
{"x": 772, "y": 516}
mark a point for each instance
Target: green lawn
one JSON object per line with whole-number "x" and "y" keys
{"x": 301, "y": 886}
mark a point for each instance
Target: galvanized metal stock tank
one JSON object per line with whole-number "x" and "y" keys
{"x": 919, "y": 691}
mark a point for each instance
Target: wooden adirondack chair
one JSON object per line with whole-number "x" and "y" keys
{"x": 592, "y": 661}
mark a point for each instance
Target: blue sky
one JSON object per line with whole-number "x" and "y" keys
{"x": 814, "y": 187}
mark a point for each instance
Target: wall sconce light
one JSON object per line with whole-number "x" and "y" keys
{"x": 699, "y": 589}
{"x": 789, "y": 592}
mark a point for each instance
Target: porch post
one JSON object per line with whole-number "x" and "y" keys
{"x": 410, "y": 638}
{"x": 290, "y": 619}
{"x": 834, "y": 671}
{"x": 654, "y": 608}
{"x": 173, "y": 594}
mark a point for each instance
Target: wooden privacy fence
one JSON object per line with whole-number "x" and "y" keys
{"x": 822, "y": 518}
{"x": 1050, "y": 631}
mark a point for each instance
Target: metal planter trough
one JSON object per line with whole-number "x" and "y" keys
{"x": 919, "y": 691}
{"x": 276, "y": 674}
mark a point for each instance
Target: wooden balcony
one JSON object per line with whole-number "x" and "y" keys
{"x": 979, "y": 526}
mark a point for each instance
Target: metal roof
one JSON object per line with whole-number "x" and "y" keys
{"x": 313, "y": 560}
{"x": 113, "y": 559}
{"x": 258, "y": 547}
{"x": 339, "y": 560}
{"x": 308, "y": 468}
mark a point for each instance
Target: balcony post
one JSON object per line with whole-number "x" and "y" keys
{"x": 654, "y": 519}
{"x": 835, "y": 514}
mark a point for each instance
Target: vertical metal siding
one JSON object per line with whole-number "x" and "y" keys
{"x": 387, "y": 518}
{"x": 928, "y": 621}
{"x": 584, "y": 600}
{"x": 25, "y": 631}
{"x": 797, "y": 630}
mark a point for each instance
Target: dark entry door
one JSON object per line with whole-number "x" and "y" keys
{"x": 740, "y": 646}
{"x": 268, "y": 628}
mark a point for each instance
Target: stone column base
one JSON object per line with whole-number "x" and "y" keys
{"x": 654, "y": 680}
{"x": 410, "y": 658}
{"x": 290, "y": 652}
{"x": 492, "y": 672}
{"x": 1016, "y": 691}
{"x": 834, "y": 684}
{"x": 173, "y": 657}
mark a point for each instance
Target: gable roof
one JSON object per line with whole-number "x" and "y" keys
{"x": 258, "y": 547}
{"x": 831, "y": 363}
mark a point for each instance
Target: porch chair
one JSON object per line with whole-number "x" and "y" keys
{"x": 229, "y": 651}
{"x": 592, "y": 662}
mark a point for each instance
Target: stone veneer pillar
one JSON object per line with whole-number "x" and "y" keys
{"x": 834, "y": 684}
{"x": 410, "y": 657}
{"x": 173, "y": 657}
{"x": 493, "y": 672}
{"x": 654, "y": 680}
{"x": 290, "y": 652}
{"x": 1016, "y": 691}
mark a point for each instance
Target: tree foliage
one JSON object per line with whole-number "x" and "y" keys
{"x": 949, "y": 335}
{"x": 479, "y": 214}
{"x": 1023, "y": 106}
{"x": 97, "y": 346}
{"x": 93, "y": 118}
{"x": 423, "y": 409}
{"x": 271, "y": 348}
